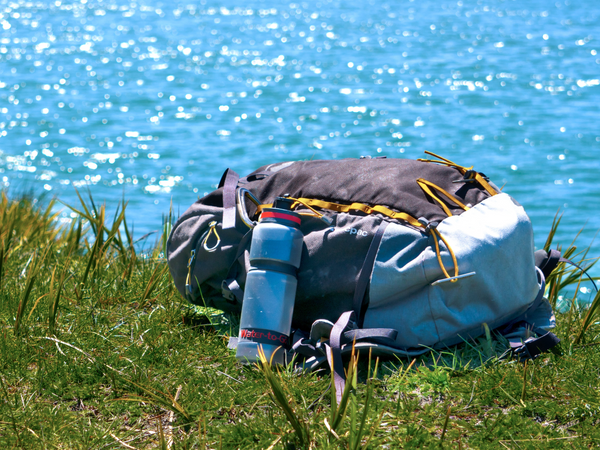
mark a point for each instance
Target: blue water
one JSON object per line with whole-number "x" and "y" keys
{"x": 153, "y": 100}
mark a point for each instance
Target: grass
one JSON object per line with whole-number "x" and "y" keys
{"x": 98, "y": 351}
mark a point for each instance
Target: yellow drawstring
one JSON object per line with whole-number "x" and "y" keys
{"x": 303, "y": 201}
{"x": 482, "y": 181}
{"x": 445, "y": 162}
{"x": 436, "y": 234}
{"x": 188, "y": 283}
{"x": 425, "y": 185}
{"x": 462, "y": 169}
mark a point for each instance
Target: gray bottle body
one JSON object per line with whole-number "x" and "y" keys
{"x": 270, "y": 290}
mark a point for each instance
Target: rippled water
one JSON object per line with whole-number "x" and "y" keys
{"x": 152, "y": 100}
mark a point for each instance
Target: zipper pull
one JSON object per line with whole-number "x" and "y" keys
{"x": 192, "y": 257}
{"x": 212, "y": 230}
{"x": 188, "y": 281}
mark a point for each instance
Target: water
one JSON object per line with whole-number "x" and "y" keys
{"x": 152, "y": 101}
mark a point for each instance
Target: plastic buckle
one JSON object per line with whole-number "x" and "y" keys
{"x": 427, "y": 224}
{"x": 469, "y": 177}
{"x": 523, "y": 353}
{"x": 226, "y": 292}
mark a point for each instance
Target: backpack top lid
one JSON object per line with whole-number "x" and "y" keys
{"x": 398, "y": 184}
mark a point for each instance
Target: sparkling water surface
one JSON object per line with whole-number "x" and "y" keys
{"x": 152, "y": 101}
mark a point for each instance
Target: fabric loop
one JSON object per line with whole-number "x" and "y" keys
{"x": 334, "y": 354}
{"x": 229, "y": 182}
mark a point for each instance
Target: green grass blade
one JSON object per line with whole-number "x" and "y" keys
{"x": 338, "y": 412}
{"x": 29, "y": 282}
{"x": 155, "y": 278}
{"x": 278, "y": 395}
{"x": 553, "y": 228}
{"x": 90, "y": 263}
{"x": 590, "y": 317}
{"x": 55, "y": 296}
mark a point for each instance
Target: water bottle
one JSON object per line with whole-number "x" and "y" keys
{"x": 270, "y": 291}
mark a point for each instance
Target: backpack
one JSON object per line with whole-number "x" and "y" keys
{"x": 400, "y": 256}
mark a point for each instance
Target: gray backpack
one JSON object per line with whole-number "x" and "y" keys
{"x": 399, "y": 256}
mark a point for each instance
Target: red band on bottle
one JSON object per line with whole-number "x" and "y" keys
{"x": 277, "y": 215}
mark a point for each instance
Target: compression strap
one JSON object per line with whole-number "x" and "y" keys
{"x": 359, "y": 207}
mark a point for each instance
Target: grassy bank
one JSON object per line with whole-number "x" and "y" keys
{"x": 98, "y": 350}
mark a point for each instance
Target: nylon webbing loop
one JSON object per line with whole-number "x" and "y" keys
{"x": 229, "y": 182}
{"x": 431, "y": 228}
{"x": 445, "y": 162}
{"x": 374, "y": 335}
{"x": 334, "y": 354}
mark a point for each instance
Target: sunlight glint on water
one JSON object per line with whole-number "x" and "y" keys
{"x": 153, "y": 100}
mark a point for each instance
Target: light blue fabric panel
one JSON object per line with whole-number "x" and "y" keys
{"x": 493, "y": 239}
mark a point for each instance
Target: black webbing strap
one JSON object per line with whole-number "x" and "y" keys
{"x": 532, "y": 348}
{"x": 339, "y": 336}
{"x": 232, "y": 291}
{"x": 547, "y": 262}
{"x": 334, "y": 354}
{"x": 385, "y": 336}
{"x": 229, "y": 182}
{"x": 365, "y": 274}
